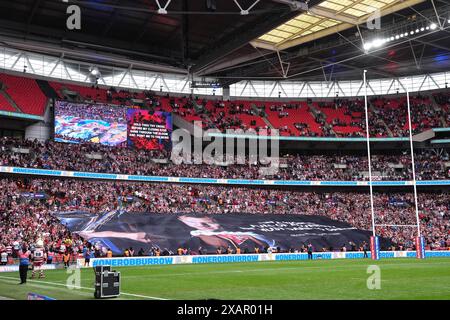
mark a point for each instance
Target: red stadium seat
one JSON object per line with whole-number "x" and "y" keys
{"x": 26, "y": 94}
{"x": 5, "y": 105}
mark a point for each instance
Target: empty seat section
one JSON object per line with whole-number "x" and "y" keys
{"x": 26, "y": 94}
{"x": 5, "y": 105}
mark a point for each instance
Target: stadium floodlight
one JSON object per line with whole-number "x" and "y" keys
{"x": 94, "y": 71}
{"x": 378, "y": 43}
{"x": 367, "y": 46}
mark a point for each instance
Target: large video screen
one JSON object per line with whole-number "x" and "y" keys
{"x": 96, "y": 123}
{"x": 113, "y": 126}
{"x": 149, "y": 130}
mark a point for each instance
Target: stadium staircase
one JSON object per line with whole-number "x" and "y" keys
{"x": 204, "y": 117}
{"x": 246, "y": 118}
{"x": 262, "y": 114}
{"x": 317, "y": 112}
{"x": 7, "y": 104}
{"x": 437, "y": 107}
{"x": 208, "y": 120}
{"x": 65, "y": 90}
{"x": 267, "y": 122}
{"x": 47, "y": 89}
{"x": 379, "y": 120}
{"x": 189, "y": 114}
{"x": 286, "y": 125}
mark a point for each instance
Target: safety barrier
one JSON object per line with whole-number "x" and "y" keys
{"x": 240, "y": 258}
{"x": 136, "y": 178}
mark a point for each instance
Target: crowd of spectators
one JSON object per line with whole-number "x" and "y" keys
{"x": 387, "y": 116}
{"x": 443, "y": 101}
{"x": 227, "y": 116}
{"x": 91, "y": 111}
{"x": 394, "y": 113}
{"x": 26, "y": 218}
{"x": 89, "y": 157}
{"x": 384, "y": 119}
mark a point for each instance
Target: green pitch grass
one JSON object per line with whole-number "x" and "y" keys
{"x": 401, "y": 278}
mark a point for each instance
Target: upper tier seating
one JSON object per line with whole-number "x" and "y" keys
{"x": 5, "y": 105}
{"x": 443, "y": 101}
{"x": 341, "y": 117}
{"x": 233, "y": 114}
{"x": 394, "y": 112}
{"x": 88, "y": 93}
{"x": 293, "y": 119}
{"x": 26, "y": 94}
{"x": 343, "y": 120}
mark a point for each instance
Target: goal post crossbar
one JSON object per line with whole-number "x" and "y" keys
{"x": 397, "y": 225}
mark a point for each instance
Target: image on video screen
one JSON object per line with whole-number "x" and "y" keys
{"x": 149, "y": 130}
{"x": 95, "y": 123}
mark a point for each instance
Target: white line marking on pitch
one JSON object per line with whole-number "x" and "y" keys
{"x": 43, "y": 286}
{"x": 86, "y": 288}
{"x": 297, "y": 268}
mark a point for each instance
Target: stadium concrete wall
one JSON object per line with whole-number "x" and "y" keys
{"x": 39, "y": 131}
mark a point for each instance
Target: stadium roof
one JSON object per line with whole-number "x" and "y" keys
{"x": 326, "y": 18}
{"x": 272, "y": 41}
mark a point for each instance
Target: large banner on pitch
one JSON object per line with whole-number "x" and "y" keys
{"x": 246, "y": 231}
